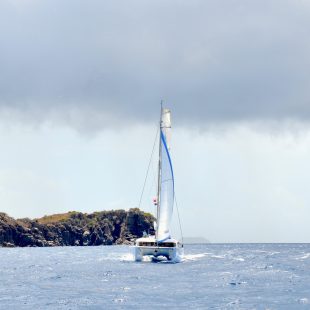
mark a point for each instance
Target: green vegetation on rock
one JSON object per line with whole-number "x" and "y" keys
{"x": 76, "y": 228}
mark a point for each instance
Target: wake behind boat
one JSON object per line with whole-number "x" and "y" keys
{"x": 162, "y": 244}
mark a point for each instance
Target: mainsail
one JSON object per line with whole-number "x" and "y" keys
{"x": 166, "y": 180}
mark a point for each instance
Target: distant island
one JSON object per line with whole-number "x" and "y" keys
{"x": 76, "y": 229}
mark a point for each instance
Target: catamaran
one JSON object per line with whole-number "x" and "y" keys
{"x": 162, "y": 244}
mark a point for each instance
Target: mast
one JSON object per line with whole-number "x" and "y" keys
{"x": 159, "y": 168}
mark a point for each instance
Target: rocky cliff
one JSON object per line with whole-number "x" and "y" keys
{"x": 74, "y": 228}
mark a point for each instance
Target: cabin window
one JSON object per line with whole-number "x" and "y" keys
{"x": 146, "y": 243}
{"x": 162, "y": 245}
{"x": 166, "y": 245}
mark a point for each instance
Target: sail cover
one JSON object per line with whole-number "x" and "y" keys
{"x": 166, "y": 179}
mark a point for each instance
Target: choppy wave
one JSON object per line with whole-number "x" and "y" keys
{"x": 305, "y": 256}
{"x": 193, "y": 257}
{"x": 208, "y": 277}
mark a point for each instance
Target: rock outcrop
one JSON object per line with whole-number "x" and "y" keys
{"x": 76, "y": 229}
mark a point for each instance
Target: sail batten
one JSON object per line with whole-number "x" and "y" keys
{"x": 166, "y": 179}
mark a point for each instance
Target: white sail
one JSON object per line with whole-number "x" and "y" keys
{"x": 166, "y": 196}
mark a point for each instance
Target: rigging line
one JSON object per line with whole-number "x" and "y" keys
{"x": 176, "y": 204}
{"x": 148, "y": 168}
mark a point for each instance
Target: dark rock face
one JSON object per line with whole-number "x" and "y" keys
{"x": 76, "y": 229}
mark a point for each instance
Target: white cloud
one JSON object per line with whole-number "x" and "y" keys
{"x": 240, "y": 186}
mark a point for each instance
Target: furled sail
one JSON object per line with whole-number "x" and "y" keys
{"x": 166, "y": 197}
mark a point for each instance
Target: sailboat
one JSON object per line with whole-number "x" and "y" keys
{"x": 162, "y": 245}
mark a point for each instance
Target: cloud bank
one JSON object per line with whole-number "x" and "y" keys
{"x": 96, "y": 64}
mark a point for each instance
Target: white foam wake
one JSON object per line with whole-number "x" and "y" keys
{"x": 193, "y": 257}
{"x": 128, "y": 257}
{"x": 307, "y": 255}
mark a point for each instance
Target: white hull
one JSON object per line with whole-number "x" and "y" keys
{"x": 172, "y": 254}
{"x": 148, "y": 247}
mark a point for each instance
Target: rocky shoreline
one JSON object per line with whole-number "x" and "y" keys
{"x": 76, "y": 229}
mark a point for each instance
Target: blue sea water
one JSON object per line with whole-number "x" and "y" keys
{"x": 212, "y": 276}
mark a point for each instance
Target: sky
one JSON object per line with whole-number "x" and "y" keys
{"x": 80, "y": 87}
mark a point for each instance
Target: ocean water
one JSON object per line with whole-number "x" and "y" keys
{"x": 212, "y": 276}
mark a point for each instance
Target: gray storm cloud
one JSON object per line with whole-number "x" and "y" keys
{"x": 99, "y": 63}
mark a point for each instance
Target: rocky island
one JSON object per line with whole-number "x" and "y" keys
{"x": 76, "y": 229}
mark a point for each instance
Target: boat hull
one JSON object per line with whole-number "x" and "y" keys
{"x": 170, "y": 253}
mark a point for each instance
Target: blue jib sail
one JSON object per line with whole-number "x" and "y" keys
{"x": 166, "y": 180}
